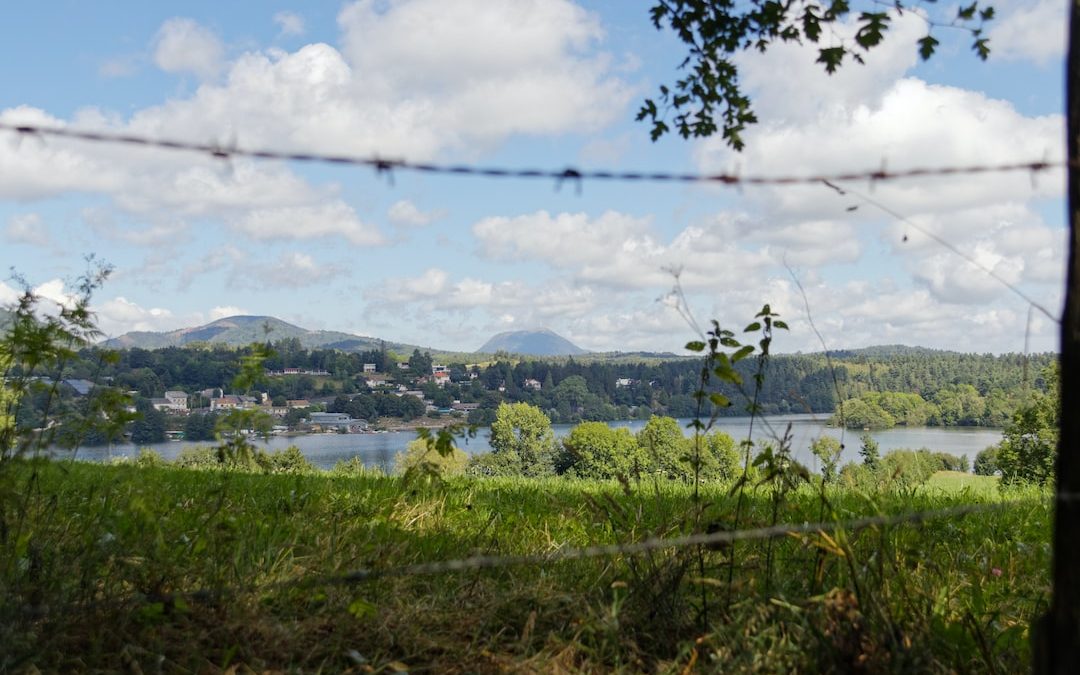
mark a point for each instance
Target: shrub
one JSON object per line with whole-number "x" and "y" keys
{"x": 418, "y": 455}
{"x": 986, "y": 462}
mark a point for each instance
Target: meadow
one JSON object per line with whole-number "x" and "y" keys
{"x": 151, "y": 568}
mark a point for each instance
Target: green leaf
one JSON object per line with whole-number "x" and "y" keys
{"x": 752, "y": 327}
{"x": 742, "y": 353}
{"x": 780, "y": 324}
{"x": 719, "y": 400}
{"x": 927, "y": 46}
{"x": 695, "y": 346}
{"x": 361, "y": 609}
{"x": 967, "y": 13}
{"x": 832, "y": 57}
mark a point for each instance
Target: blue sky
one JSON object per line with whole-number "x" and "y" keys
{"x": 448, "y": 261}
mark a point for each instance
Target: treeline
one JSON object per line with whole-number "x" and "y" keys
{"x": 955, "y": 389}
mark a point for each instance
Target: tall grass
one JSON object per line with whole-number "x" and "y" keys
{"x": 180, "y": 570}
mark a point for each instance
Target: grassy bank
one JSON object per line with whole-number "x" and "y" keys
{"x": 163, "y": 569}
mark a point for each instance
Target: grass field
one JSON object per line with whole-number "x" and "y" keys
{"x": 122, "y": 568}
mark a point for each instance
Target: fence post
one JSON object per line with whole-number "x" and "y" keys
{"x": 1057, "y": 649}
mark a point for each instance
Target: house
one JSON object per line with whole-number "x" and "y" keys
{"x": 376, "y": 380}
{"x": 325, "y": 421}
{"x": 436, "y": 369}
{"x": 530, "y": 383}
{"x": 298, "y": 403}
{"x": 465, "y": 407}
{"x": 175, "y": 403}
{"x": 369, "y": 368}
{"x": 178, "y": 399}
{"x": 442, "y": 377}
{"x": 625, "y": 382}
{"x": 226, "y": 402}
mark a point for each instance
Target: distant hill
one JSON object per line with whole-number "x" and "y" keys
{"x": 532, "y": 343}
{"x": 237, "y": 331}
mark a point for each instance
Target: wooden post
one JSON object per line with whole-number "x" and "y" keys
{"x": 1061, "y": 628}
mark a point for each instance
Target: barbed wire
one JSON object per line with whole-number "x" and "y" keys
{"x": 384, "y": 165}
{"x": 479, "y": 562}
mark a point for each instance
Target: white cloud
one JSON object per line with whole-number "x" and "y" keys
{"x": 225, "y": 311}
{"x": 119, "y": 66}
{"x": 484, "y": 69}
{"x": 290, "y": 23}
{"x": 120, "y": 315}
{"x": 27, "y": 228}
{"x": 405, "y": 214}
{"x": 960, "y": 282}
{"x": 619, "y": 250}
{"x": 1036, "y": 32}
{"x": 913, "y": 124}
{"x": 289, "y": 270}
{"x": 184, "y": 46}
{"x": 334, "y": 219}
{"x": 434, "y": 291}
{"x": 788, "y": 84}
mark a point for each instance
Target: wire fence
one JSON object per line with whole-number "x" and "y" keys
{"x": 384, "y": 165}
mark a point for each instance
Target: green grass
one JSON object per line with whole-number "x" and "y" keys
{"x": 104, "y": 567}
{"x": 958, "y": 481}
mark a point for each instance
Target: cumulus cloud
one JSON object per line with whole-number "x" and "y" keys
{"x": 1035, "y": 32}
{"x": 27, "y": 228}
{"x": 619, "y": 250}
{"x": 290, "y": 23}
{"x": 185, "y": 46}
{"x": 405, "y": 214}
{"x": 334, "y": 219}
{"x": 224, "y": 311}
{"x": 289, "y": 270}
{"x": 912, "y": 124}
{"x": 120, "y": 315}
{"x": 513, "y": 301}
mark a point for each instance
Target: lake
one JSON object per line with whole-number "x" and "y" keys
{"x": 325, "y": 450}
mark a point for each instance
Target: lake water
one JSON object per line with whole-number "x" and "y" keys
{"x": 325, "y": 450}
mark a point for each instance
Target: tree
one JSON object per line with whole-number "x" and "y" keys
{"x": 827, "y": 449}
{"x": 1027, "y": 450}
{"x": 869, "y": 452}
{"x": 663, "y": 442}
{"x": 521, "y": 434}
{"x": 150, "y": 426}
{"x": 595, "y": 450}
{"x": 420, "y": 456}
{"x": 986, "y": 462}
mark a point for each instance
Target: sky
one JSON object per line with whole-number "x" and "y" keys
{"x": 447, "y": 261}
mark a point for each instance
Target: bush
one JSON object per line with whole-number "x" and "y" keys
{"x": 420, "y": 456}
{"x": 290, "y": 461}
{"x": 986, "y": 462}
{"x": 595, "y": 450}
{"x": 354, "y": 467}
{"x": 909, "y": 468}
{"x": 1027, "y": 452}
{"x": 148, "y": 459}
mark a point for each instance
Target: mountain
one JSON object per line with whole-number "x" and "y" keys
{"x": 531, "y": 342}
{"x": 237, "y": 331}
